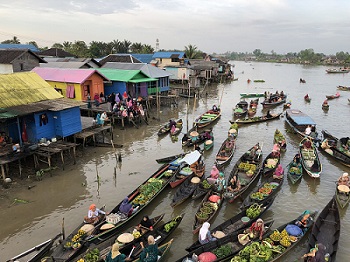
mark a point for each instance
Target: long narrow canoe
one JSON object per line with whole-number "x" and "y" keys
{"x": 327, "y": 230}
{"x": 61, "y": 253}
{"x": 235, "y": 223}
{"x": 214, "y": 207}
{"x": 185, "y": 190}
{"x": 250, "y": 95}
{"x": 270, "y": 164}
{"x": 276, "y": 256}
{"x": 279, "y": 138}
{"x": 309, "y": 158}
{"x": 280, "y": 100}
{"x": 294, "y": 173}
{"x": 241, "y": 173}
{"x": 225, "y": 152}
{"x": 342, "y": 196}
{"x": 207, "y": 118}
{"x": 256, "y": 119}
{"x": 35, "y": 253}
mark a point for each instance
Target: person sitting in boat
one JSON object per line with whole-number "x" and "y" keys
{"x": 205, "y": 234}
{"x": 282, "y": 94}
{"x": 114, "y": 255}
{"x": 230, "y": 142}
{"x": 296, "y": 159}
{"x": 343, "y": 144}
{"x": 145, "y": 224}
{"x": 325, "y": 102}
{"x": 220, "y": 182}
{"x": 126, "y": 207}
{"x": 94, "y": 215}
{"x": 172, "y": 123}
{"x": 317, "y": 254}
{"x": 344, "y": 180}
{"x": 207, "y": 135}
{"x": 214, "y": 175}
{"x": 151, "y": 252}
{"x": 257, "y": 228}
{"x": 296, "y": 165}
{"x": 278, "y": 174}
{"x": 304, "y": 220}
{"x": 185, "y": 139}
{"x": 307, "y": 144}
{"x": 268, "y": 114}
{"x": 315, "y": 166}
{"x": 306, "y": 97}
{"x": 235, "y": 185}
{"x": 215, "y": 108}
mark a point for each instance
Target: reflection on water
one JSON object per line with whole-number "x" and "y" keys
{"x": 68, "y": 194}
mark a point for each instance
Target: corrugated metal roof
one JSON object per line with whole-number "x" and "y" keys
{"x": 120, "y": 58}
{"x": 73, "y": 65}
{"x": 24, "y": 88}
{"x": 169, "y": 55}
{"x": 66, "y": 75}
{"x": 149, "y": 70}
{"x": 51, "y": 105}
{"x": 144, "y": 58}
{"x": 8, "y": 55}
{"x": 55, "y": 52}
{"x": 125, "y": 75}
{"x": 33, "y": 48}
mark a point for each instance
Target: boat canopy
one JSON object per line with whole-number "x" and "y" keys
{"x": 300, "y": 118}
{"x": 191, "y": 157}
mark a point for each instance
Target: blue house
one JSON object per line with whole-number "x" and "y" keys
{"x": 31, "y": 109}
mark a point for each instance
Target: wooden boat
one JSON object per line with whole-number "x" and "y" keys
{"x": 241, "y": 108}
{"x": 169, "y": 158}
{"x": 325, "y": 107}
{"x": 207, "y": 118}
{"x": 186, "y": 190}
{"x": 337, "y": 71}
{"x": 250, "y": 95}
{"x": 230, "y": 240}
{"x": 268, "y": 168}
{"x": 344, "y": 88}
{"x": 246, "y": 164}
{"x": 274, "y": 100}
{"x": 326, "y": 230}
{"x": 330, "y": 97}
{"x": 259, "y": 81}
{"x": 166, "y": 127}
{"x": 299, "y": 121}
{"x": 98, "y": 235}
{"x": 203, "y": 188}
{"x": 256, "y": 119}
{"x": 35, "y": 253}
{"x": 184, "y": 172}
{"x": 200, "y": 138}
{"x": 307, "y": 99}
{"x": 178, "y": 128}
{"x": 164, "y": 249}
{"x": 265, "y": 191}
{"x": 105, "y": 246}
{"x": 287, "y": 105}
{"x": 207, "y": 205}
{"x": 329, "y": 146}
{"x": 279, "y": 138}
{"x": 309, "y": 158}
{"x": 296, "y": 174}
{"x": 226, "y": 151}
{"x": 252, "y": 107}
{"x": 302, "y": 81}
{"x": 236, "y": 223}
{"x": 342, "y": 195}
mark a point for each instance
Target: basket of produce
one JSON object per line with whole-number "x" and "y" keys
{"x": 206, "y": 210}
{"x": 202, "y": 217}
{"x": 76, "y": 245}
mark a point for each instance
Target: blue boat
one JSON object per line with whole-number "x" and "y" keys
{"x": 299, "y": 121}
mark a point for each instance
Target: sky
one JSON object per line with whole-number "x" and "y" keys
{"x": 215, "y": 26}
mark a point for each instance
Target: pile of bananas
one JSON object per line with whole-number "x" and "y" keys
{"x": 285, "y": 242}
{"x": 136, "y": 234}
{"x": 275, "y": 236}
{"x": 247, "y": 167}
{"x": 78, "y": 236}
{"x": 253, "y": 211}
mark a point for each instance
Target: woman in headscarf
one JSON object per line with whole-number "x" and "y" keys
{"x": 304, "y": 220}
{"x": 149, "y": 253}
{"x": 99, "y": 120}
{"x": 344, "y": 179}
{"x": 204, "y": 234}
{"x": 220, "y": 182}
{"x": 278, "y": 172}
{"x": 257, "y": 228}
{"x": 146, "y": 224}
{"x": 214, "y": 174}
{"x": 317, "y": 254}
{"x": 126, "y": 207}
{"x": 94, "y": 215}
{"x": 114, "y": 255}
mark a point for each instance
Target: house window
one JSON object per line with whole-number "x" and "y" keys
{"x": 43, "y": 119}
{"x": 22, "y": 66}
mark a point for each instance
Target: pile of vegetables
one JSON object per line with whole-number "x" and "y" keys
{"x": 223, "y": 251}
{"x": 279, "y": 136}
{"x": 148, "y": 190}
{"x": 171, "y": 224}
{"x": 295, "y": 170}
{"x": 206, "y": 209}
{"x": 75, "y": 240}
{"x": 253, "y": 211}
{"x": 247, "y": 167}
{"x": 92, "y": 256}
{"x": 271, "y": 162}
{"x": 263, "y": 191}
{"x": 205, "y": 184}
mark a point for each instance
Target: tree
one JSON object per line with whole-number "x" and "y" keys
{"x": 147, "y": 49}
{"x": 136, "y": 48}
{"x": 57, "y": 45}
{"x": 257, "y": 53}
{"x": 80, "y": 49}
{"x": 192, "y": 52}
{"x": 14, "y": 40}
{"x": 33, "y": 43}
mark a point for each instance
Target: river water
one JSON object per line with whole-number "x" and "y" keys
{"x": 68, "y": 194}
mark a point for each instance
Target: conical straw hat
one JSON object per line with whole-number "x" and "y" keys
{"x": 125, "y": 238}
{"x": 343, "y": 188}
{"x": 194, "y": 133}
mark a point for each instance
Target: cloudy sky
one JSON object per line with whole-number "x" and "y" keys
{"x": 213, "y": 26}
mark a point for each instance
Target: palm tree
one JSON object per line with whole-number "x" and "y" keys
{"x": 192, "y": 52}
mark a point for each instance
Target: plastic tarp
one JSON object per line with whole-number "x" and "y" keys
{"x": 191, "y": 157}
{"x": 303, "y": 120}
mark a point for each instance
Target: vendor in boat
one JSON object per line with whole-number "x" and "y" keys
{"x": 306, "y": 97}
{"x": 126, "y": 207}
{"x": 307, "y": 144}
{"x": 207, "y": 135}
{"x": 278, "y": 174}
{"x": 344, "y": 179}
{"x": 94, "y": 215}
{"x": 114, "y": 255}
{"x": 343, "y": 144}
{"x": 214, "y": 175}
{"x": 215, "y": 108}
{"x": 308, "y": 130}
{"x": 220, "y": 182}
{"x": 172, "y": 123}
{"x": 296, "y": 159}
{"x": 205, "y": 234}
{"x": 234, "y": 185}
{"x": 257, "y": 228}
{"x": 282, "y": 94}
{"x": 151, "y": 252}
{"x": 145, "y": 224}
{"x": 304, "y": 220}
{"x": 185, "y": 139}
{"x": 317, "y": 254}
{"x": 325, "y": 102}
{"x": 268, "y": 114}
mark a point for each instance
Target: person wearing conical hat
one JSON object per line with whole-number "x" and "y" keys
{"x": 344, "y": 180}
